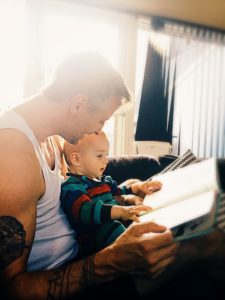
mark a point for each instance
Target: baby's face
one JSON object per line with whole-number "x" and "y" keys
{"x": 94, "y": 158}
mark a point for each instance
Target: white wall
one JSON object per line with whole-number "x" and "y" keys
{"x": 12, "y": 51}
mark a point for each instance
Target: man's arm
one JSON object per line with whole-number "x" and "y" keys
{"x": 128, "y": 254}
{"x": 21, "y": 185}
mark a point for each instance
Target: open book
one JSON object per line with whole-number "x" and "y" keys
{"x": 189, "y": 199}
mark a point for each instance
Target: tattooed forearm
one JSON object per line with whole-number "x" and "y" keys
{"x": 71, "y": 279}
{"x": 88, "y": 272}
{"x": 59, "y": 283}
{"x": 12, "y": 240}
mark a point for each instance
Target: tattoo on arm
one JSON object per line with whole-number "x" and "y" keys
{"x": 88, "y": 272}
{"x": 63, "y": 281}
{"x": 59, "y": 284}
{"x": 12, "y": 240}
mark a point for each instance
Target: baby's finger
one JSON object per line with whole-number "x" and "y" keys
{"x": 153, "y": 187}
{"x": 135, "y": 218}
{"x": 143, "y": 208}
{"x": 138, "y": 201}
{"x": 139, "y": 209}
{"x": 155, "y": 184}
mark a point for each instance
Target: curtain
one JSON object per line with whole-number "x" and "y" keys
{"x": 154, "y": 122}
{"x": 186, "y": 104}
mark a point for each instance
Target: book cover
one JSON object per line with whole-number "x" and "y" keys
{"x": 188, "y": 201}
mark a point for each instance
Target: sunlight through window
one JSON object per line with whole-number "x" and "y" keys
{"x": 64, "y": 35}
{"x": 12, "y": 37}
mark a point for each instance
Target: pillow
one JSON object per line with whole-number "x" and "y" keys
{"x": 182, "y": 161}
{"x": 221, "y": 213}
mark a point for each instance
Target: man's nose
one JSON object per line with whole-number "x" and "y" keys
{"x": 101, "y": 125}
{"x": 106, "y": 160}
{"x": 99, "y": 129}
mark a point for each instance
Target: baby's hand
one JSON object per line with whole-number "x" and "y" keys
{"x": 133, "y": 200}
{"x": 128, "y": 212}
{"x": 146, "y": 187}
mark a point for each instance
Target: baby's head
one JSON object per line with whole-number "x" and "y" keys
{"x": 88, "y": 156}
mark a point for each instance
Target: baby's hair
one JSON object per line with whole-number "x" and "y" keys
{"x": 79, "y": 146}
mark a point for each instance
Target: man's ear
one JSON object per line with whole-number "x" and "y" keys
{"x": 78, "y": 103}
{"x": 75, "y": 159}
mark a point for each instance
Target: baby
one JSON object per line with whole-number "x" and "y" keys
{"x": 89, "y": 198}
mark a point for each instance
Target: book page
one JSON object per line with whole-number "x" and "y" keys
{"x": 184, "y": 183}
{"x": 183, "y": 211}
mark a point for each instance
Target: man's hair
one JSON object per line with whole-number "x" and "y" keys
{"x": 87, "y": 73}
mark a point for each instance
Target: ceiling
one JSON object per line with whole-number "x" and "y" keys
{"x": 210, "y": 13}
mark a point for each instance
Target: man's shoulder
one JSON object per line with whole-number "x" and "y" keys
{"x": 19, "y": 162}
{"x": 15, "y": 148}
{"x": 14, "y": 139}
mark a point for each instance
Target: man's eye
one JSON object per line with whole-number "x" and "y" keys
{"x": 99, "y": 156}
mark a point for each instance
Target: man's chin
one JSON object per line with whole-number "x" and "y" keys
{"x": 76, "y": 139}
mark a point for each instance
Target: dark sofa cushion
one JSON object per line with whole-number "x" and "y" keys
{"x": 125, "y": 167}
{"x": 166, "y": 160}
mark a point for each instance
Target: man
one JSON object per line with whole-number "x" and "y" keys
{"x": 35, "y": 234}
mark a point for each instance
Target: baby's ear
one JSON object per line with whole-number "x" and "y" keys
{"x": 75, "y": 159}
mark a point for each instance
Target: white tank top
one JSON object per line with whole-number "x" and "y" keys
{"x": 54, "y": 241}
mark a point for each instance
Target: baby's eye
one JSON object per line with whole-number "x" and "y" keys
{"x": 99, "y": 156}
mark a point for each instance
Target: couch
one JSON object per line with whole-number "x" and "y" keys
{"x": 141, "y": 167}
{"x": 201, "y": 264}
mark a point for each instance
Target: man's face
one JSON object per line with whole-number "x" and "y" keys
{"x": 91, "y": 120}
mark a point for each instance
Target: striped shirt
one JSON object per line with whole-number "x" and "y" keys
{"x": 88, "y": 202}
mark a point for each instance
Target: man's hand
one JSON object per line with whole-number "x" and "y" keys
{"x": 143, "y": 248}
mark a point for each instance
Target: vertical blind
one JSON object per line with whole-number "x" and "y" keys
{"x": 192, "y": 64}
{"x": 155, "y": 116}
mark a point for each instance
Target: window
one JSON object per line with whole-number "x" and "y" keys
{"x": 192, "y": 62}
{"x": 64, "y": 28}
{"x": 12, "y": 36}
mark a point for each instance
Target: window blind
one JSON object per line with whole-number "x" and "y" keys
{"x": 191, "y": 60}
